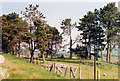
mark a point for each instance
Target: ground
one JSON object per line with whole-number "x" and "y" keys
{"x": 21, "y": 69}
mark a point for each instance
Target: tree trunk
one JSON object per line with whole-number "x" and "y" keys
{"x": 51, "y": 56}
{"x": 94, "y": 64}
{"x": 46, "y": 56}
{"x": 89, "y": 48}
{"x": 94, "y": 68}
{"x": 70, "y": 43}
{"x": 97, "y": 55}
{"x": 108, "y": 50}
{"x": 43, "y": 57}
{"x": 51, "y": 52}
{"x": 32, "y": 54}
{"x": 19, "y": 50}
{"x": 13, "y": 51}
{"x": 101, "y": 55}
{"x": 70, "y": 48}
{"x": 90, "y": 53}
{"x": 10, "y": 51}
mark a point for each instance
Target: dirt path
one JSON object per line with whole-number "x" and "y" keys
{"x": 7, "y": 64}
{"x": 10, "y": 64}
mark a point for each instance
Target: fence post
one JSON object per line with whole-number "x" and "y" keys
{"x": 38, "y": 61}
{"x": 80, "y": 72}
{"x": 35, "y": 60}
{"x": 98, "y": 76}
{"x": 66, "y": 71}
{"x": 57, "y": 70}
{"x": 54, "y": 67}
{"x": 70, "y": 71}
{"x": 48, "y": 67}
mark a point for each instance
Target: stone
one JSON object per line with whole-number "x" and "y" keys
{"x": 2, "y": 59}
{"x": 104, "y": 74}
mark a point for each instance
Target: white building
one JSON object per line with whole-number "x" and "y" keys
{"x": 119, "y": 6}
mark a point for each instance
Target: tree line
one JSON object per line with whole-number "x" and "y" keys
{"x": 31, "y": 32}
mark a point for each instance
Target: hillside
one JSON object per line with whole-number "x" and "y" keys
{"x": 21, "y": 69}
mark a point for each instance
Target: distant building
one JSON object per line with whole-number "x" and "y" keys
{"x": 35, "y": 56}
{"x": 119, "y": 6}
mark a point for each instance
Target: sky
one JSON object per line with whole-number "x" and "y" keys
{"x": 56, "y": 10}
{"x": 59, "y": 0}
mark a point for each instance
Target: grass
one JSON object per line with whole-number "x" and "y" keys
{"x": 20, "y": 69}
{"x": 87, "y": 71}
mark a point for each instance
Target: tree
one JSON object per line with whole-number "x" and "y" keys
{"x": 21, "y": 29}
{"x": 30, "y": 15}
{"x": 92, "y": 35}
{"x": 107, "y": 18}
{"x": 55, "y": 43}
{"x": 42, "y": 38}
{"x": 12, "y": 28}
{"x": 67, "y": 30}
{"x": 85, "y": 25}
{"x": 80, "y": 51}
{"x": 4, "y": 37}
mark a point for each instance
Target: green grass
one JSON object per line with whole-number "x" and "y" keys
{"x": 20, "y": 69}
{"x": 87, "y": 70}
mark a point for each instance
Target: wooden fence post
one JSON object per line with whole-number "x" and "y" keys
{"x": 66, "y": 71}
{"x": 98, "y": 76}
{"x": 35, "y": 60}
{"x": 80, "y": 72}
{"x": 73, "y": 74}
{"x": 75, "y": 71}
{"x": 54, "y": 67}
{"x": 57, "y": 70}
{"x": 48, "y": 67}
{"x": 38, "y": 61}
{"x": 70, "y": 71}
{"x": 60, "y": 70}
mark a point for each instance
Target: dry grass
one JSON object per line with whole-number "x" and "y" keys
{"x": 33, "y": 71}
{"x": 20, "y": 69}
{"x": 34, "y": 75}
{"x": 5, "y": 74}
{"x": 14, "y": 69}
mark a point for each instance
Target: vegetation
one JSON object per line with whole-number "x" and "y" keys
{"x": 34, "y": 34}
{"x": 54, "y": 44}
{"x": 27, "y": 70}
{"x": 33, "y": 71}
{"x": 99, "y": 30}
{"x": 67, "y": 30}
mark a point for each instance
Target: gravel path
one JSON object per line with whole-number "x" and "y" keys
{"x": 2, "y": 59}
{"x": 3, "y": 72}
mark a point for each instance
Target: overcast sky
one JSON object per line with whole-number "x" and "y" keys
{"x": 55, "y": 10}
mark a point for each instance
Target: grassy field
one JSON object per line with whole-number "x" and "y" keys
{"x": 20, "y": 69}
{"x": 111, "y": 70}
